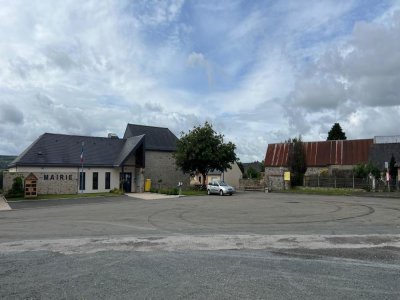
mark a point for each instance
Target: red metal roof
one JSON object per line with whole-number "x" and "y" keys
{"x": 340, "y": 152}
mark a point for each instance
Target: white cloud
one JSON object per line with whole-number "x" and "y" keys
{"x": 354, "y": 82}
{"x": 261, "y": 72}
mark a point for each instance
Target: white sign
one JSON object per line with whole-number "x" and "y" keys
{"x": 386, "y": 165}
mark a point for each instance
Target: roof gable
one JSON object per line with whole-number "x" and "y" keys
{"x": 130, "y": 146}
{"x": 157, "y": 138}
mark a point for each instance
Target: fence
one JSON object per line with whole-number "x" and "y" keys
{"x": 348, "y": 182}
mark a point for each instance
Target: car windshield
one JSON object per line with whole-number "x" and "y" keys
{"x": 222, "y": 183}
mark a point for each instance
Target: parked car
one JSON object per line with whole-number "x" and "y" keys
{"x": 220, "y": 187}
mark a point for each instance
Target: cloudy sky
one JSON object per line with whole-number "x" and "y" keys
{"x": 259, "y": 71}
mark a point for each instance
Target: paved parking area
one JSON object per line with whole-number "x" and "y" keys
{"x": 212, "y": 247}
{"x": 243, "y": 213}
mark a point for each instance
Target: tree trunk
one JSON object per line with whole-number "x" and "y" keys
{"x": 204, "y": 178}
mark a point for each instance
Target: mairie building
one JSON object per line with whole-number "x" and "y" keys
{"x": 68, "y": 164}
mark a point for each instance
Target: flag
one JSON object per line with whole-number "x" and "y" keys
{"x": 82, "y": 153}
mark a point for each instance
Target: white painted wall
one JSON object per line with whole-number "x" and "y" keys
{"x": 114, "y": 179}
{"x": 231, "y": 176}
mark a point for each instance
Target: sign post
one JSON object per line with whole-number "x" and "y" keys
{"x": 387, "y": 175}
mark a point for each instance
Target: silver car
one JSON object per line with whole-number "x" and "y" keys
{"x": 220, "y": 187}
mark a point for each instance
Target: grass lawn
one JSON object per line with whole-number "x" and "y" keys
{"x": 194, "y": 193}
{"x": 65, "y": 196}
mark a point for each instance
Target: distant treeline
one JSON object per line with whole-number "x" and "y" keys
{"x": 5, "y": 160}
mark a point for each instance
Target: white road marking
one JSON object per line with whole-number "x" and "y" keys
{"x": 202, "y": 242}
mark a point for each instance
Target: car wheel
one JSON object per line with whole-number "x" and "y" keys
{"x": 208, "y": 192}
{"x": 221, "y": 192}
{"x": 230, "y": 194}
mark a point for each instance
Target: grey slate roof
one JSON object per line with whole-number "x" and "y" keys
{"x": 157, "y": 138}
{"x": 379, "y": 153}
{"x": 130, "y": 145}
{"x": 65, "y": 150}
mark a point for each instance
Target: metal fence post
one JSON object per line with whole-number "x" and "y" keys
{"x": 335, "y": 182}
{"x": 318, "y": 180}
{"x": 353, "y": 183}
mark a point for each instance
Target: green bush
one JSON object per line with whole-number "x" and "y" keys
{"x": 363, "y": 170}
{"x": 17, "y": 189}
{"x": 116, "y": 191}
{"x": 173, "y": 191}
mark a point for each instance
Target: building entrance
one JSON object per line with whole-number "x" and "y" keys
{"x": 126, "y": 180}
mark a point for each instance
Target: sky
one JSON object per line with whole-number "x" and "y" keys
{"x": 259, "y": 71}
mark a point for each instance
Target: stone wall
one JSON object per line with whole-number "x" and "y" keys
{"x": 48, "y": 182}
{"x": 274, "y": 175}
{"x": 274, "y": 178}
{"x": 251, "y": 184}
{"x": 161, "y": 165}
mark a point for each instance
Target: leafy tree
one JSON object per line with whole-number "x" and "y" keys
{"x": 363, "y": 170}
{"x": 392, "y": 168}
{"x": 297, "y": 161}
{"x": 253, "y": 173}
{"x": 336, "y": 133}
{"x": 203, "y": 150}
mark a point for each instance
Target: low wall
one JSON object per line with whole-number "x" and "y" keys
{"x": 251, "y": 184}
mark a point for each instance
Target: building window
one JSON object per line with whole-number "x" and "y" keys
{"x": 82, "y": 180}
{"x": 95, "y": 180}
{"x": 108, "y": 180}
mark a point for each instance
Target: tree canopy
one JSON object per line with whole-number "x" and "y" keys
{"x": 336, "y": 133}
{"x": 363, "y": 170}
{"x": 202, "y": 150}
{"x": 297, "y": 161}
{"x": 392, "y": 168}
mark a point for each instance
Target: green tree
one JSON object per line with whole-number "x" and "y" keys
{"x": 17, "y": 188}
{"x": 392, "y": 168}
{"x": 202, "y": 150}
{"x": 297, "y": 161}
{"x": 363, "y": 170}
{"x": 253, "y": 173}
{"x": 336, "y": 133}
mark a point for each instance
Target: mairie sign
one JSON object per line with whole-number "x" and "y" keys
{"x": 57, "y": 177}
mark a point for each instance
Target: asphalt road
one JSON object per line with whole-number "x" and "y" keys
{"x": 248, "y": 246}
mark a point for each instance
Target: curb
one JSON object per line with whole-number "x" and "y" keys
{"x": 3, "y": 204}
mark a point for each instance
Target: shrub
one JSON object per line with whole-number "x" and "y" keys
{"x": 153, "y": 190}
{"x": 116, "y": 191}
{"x": 173, "y": 191}
{"x": 363, "y": 170}
{"x": 17, "y": 189}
